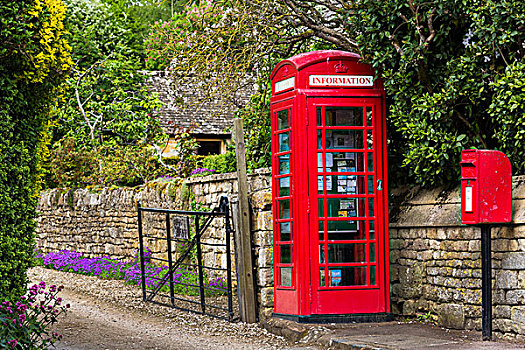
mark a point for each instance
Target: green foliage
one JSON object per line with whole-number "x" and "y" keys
{"x": 75, "y": 166}
{"x": 221, "y": 163}
{"x": 109, "y": 103}
{"x": 256, "y": 124}
{"x": 29, "y": 78}
{"x": 95, "y": 31}
{"x": 451, "y": 69}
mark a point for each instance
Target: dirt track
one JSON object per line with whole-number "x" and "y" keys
{"x": 111, "y": 315}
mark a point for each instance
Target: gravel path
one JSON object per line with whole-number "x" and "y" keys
{"x": 108, "y": 314}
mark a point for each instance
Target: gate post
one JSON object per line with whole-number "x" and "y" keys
{"x": 247, "y": 296}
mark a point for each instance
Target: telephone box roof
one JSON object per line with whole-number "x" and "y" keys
{"x": 306, "y": 59}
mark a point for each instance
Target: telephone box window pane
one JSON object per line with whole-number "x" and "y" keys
{"x": 347, "y": 276}
{"x": 321, "y": 230}
{"x": 370, "y": 161}
{"x": 345, "y": 185}
{"x": 284, "y": 209}
{"x": 284, "y": 186}
{"x": 322, "y": 281}
{"x": 286, "y": 231}
{"x": 319, "y": 139}
{"x": 344, "y": 207}
{"x": 320, "y": 184}
{"x": 343, "y": 162}
{"x": 370, "y": 139}
{"x": 345, "y": 230}
{"x": 351, "y": 139}
{"x": 282, "y": 117}
{"x": 284, "y": 164}
{"x": 321, "y": 207}
{"x": 372, "y": 252}
{"x": 286, "y": 276}
{"x": 371, "y": 230}
{"x": 369, "y": 120}
{"x": 344, "y": 116}
{"x": 371, "y": 184}
{"x": 321, "y": 253}
{"x": 347, "y": 253}
{"x": 372, "y": 275}
{"x": 371, "y": 206}
{"x": 319, "y": 116}
{"x": 319, "y": 162}
{"x": 286, "y": 254}
{"x": 283, "y": 142}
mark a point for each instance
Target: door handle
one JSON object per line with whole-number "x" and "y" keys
{"x": 379, "y": 184}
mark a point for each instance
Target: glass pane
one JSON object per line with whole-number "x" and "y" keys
{"x": 284, "y": 186}
{"x": 321, "y": 230}
{"x": 284, "y": 209}
{"x": 319, "y": 139}
{"x": 282, "y": 120}
{"x": 322, "y": 281}
{"x": 372, "y": 252}
{"x": 347, "y": 253}
{"x": 344, "y": 116}
{"x": 320, "y": 184}
{"x": 372, "y": 275}
{"x": 352, "y": 139}
{"x": 319, "y": 117}
{"x": 371, "y": 184}
{"x": 283, "y": 142}
{"x": 345, "y": 207}
{"x": 286, "y": 254}
{"x": 321, "y": 207}
{"x": 321, "y": 253}
{"x": 344, "y": 162}
{"x": 371, "y": 207}
{"x": 347, "y": 276}
{"x": 345, "y": 230}
{"x": 319, "y": 162}
{"x": 284, "y": 164}
{"x": 286, "y": 231}
{"x": 371, "y": 230}
{"x": 370, "y": 162}
{"x": 286, "y": 276}
{"x": 369, "y": 119}
{"x": 345, "y": 184}
{"x": 370, "y": 139}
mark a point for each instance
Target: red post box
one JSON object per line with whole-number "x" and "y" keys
{"x": 486, "y": 187}
{"x": 329, "y": 189}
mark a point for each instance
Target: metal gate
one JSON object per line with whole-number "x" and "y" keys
{"x": 186, "y": 282}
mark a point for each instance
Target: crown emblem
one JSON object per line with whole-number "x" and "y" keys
{"x": 341, "y": 68}
{"x": 285, "y": 71}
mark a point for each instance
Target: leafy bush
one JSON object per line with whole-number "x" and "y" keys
{"x": 25, "y": 323}
{"x": 220, "y": 163}
{"x": 34, "y": 58}
{"x": 453, "y": 75}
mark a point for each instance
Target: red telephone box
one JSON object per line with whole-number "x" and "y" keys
{"x": 329, "y": 189}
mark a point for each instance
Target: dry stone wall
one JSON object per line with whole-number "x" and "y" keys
{"x": 435, "y": 262}
{"x": 104, "y": 222}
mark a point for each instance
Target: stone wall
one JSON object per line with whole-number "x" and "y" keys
{"x": 104, "y": 222}
{"x": 436, "y": 262}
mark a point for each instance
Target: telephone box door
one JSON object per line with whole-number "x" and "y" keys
{"x": 346, "y": 147}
